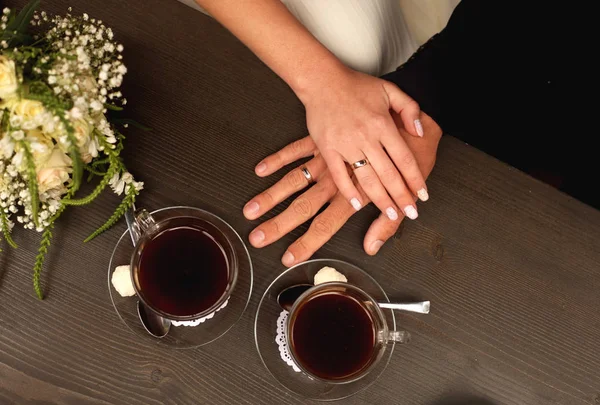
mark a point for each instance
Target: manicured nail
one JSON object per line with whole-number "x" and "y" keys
{"x": 419, "y": 128}
{"x": 411, "y": 212}
{"x": 391, "y": 213}
{"x": 251, "y": 208}
{"x": 355, "y": 204}
{"x": 261, "y": 167}
{"x": 257, "y": 238}
{"x": 375, "y": 246}
{"x": 288, "y": 259}
{"x": 423, "y": 194}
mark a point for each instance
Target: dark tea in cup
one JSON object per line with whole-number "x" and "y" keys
{"x": 183, "y": 268}
{"x": 337, "y": 333}
{"x": 333, "y": 336}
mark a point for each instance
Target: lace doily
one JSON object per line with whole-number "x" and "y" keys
{"x": 281, "y": 342}
{"x": 198, "y": 321}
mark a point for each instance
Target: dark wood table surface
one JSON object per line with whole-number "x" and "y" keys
{"x": 512, "y": 266}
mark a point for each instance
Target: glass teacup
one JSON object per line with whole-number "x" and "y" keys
{"x": 337, "y": 333}
{"x": 184, "y": 266}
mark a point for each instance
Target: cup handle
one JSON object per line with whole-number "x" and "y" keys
{"x": 398, "y": 336}
{"x": 138, "y": 222}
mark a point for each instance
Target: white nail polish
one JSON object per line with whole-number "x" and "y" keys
{"x": 411, "y": 212}
{"x": 419, "y": 128}
{"x": 423, "y": 194}
{"x": 355, "y": 204}
{"x": 391, "y": 213}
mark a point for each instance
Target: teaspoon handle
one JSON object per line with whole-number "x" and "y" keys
{"x": 418, "y": 307}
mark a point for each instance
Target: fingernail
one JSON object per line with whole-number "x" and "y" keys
{"x": 375, "y": 246}
{"x": 251, "y": 208}
{"x": 355, "y": 204}
{"x": 261, "y": 167}
{"x": 419, "y": 128}
{"x": 288, "y": 259}
{"x": 391, "y": 213}
{"x": 411, "y": 212}
{"x": 257, "y": 238}
{"x": 423, "y": 194}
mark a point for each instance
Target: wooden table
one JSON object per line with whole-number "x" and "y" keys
{"x": 511, "y": 266}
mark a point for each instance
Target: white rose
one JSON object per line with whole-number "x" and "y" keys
{"x": 41, "y": 146}
{"x": 30, "y": 111}
{"x": 8, "y": 79}
{"x": 82, "y": 133}
{"x": 55, "y": 172}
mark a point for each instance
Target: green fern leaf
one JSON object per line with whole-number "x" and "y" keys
{"x": 126, "y": 204}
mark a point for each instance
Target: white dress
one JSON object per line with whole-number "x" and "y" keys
{"x": 370, "y": 36}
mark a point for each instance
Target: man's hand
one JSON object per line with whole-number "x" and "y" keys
{"x": 303, "y": 208}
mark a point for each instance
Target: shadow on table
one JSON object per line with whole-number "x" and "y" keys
{"x": 463, "y": 399}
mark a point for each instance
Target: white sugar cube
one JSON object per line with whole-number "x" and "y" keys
{"x": 328, "y": 274}
{"x": 121, "y": 281}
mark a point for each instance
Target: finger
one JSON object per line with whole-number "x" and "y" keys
{"x": 379, "y": 232}
{"x": 371, "y": 185}
{"x": 322, "y": 228}
{"x": 296, "y": 150}
{"x": 408, "y": 108}
{"x": 406, "y": 163}
{"x": 291, "y": 183}
{"x": 300, "y": 210}
{"x": 392, "y": 181}
{"x": 341, "y": 177}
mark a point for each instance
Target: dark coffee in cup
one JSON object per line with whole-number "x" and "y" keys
{"x": 333, "y": 336}
{"x": 183, "y": 268}
{"x": 183, "y": 271}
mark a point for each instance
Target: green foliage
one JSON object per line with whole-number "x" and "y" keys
{"x": 113, "y": 107}
{"x": 17, "y": 25}
{"x": 43, "y": 249}
{"x": 97, "y": 191}
{"x": 125, "y": 205}
{"x": 39, "y": 259}
{"x": 6, "y": 230}
{"x": 32, "y": 181}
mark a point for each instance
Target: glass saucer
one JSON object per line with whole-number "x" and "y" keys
{"x": 216, "y": 324}
{"x": 265, "y": 331}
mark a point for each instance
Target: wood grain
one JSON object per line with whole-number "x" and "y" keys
{"x": 511, "y": 265}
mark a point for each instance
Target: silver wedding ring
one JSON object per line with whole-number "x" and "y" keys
{"x": 360, "y": 163}
{"x": 307, "y": 174}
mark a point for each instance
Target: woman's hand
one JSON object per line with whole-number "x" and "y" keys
{"x": 349, "y": 118}
{"x": 323, "y": 191}
{"x": 348, "y": 113}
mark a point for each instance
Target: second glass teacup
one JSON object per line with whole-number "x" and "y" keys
{"x": 337, "y": 333}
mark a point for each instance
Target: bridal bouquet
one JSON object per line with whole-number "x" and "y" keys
{"x": 59, "y": 79}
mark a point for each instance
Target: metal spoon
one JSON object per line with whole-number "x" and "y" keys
{"x": 287, "y": 297}
{"x": 154, "y": 324}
